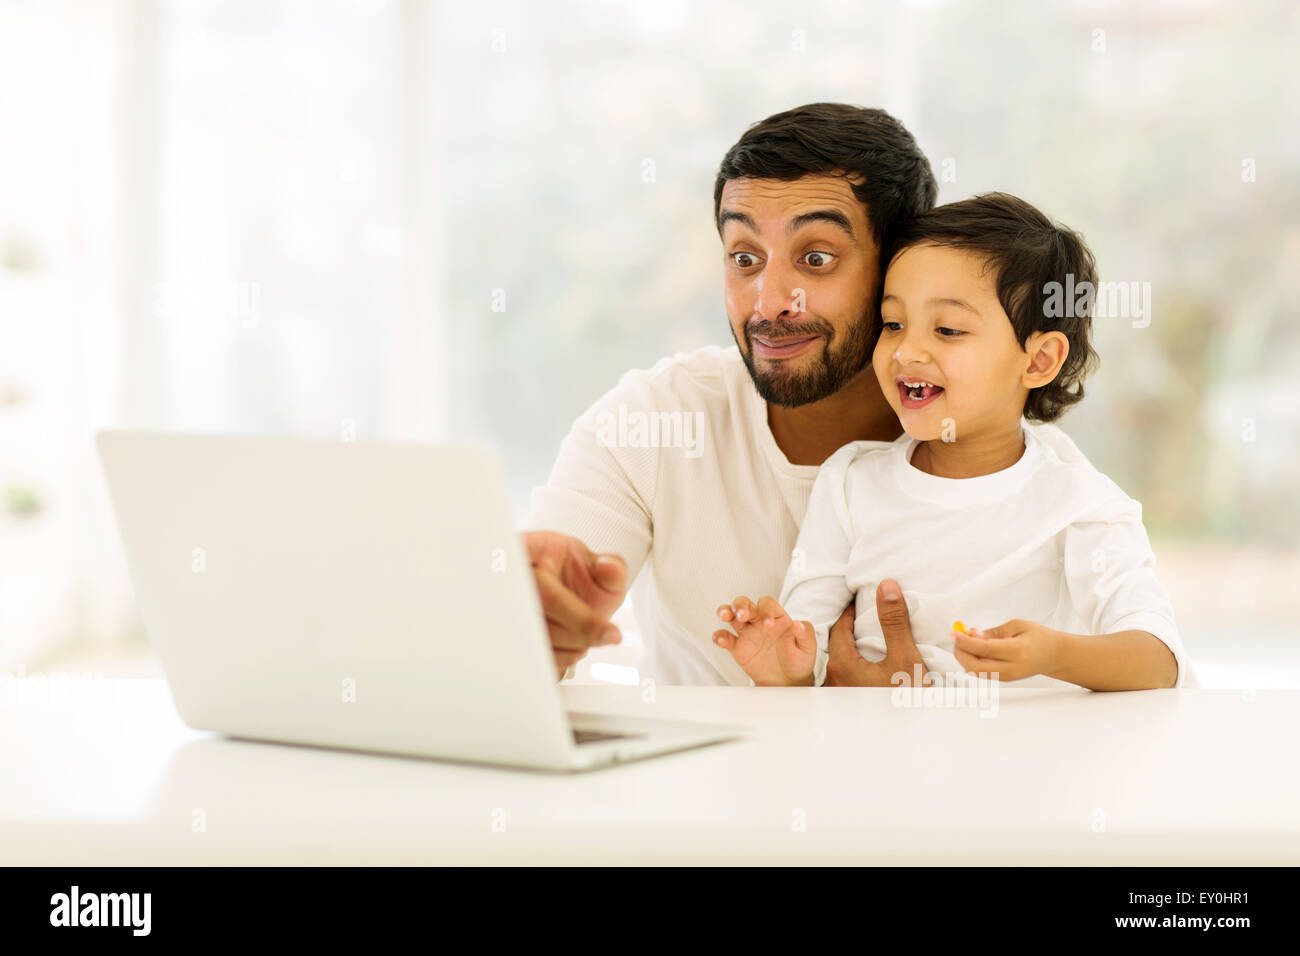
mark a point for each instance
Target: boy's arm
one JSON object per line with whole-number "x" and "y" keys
{"x": 1132, "y": 641}
{"x": 1127, "y": 660}
{"x": 771, "y": 648}
{"x": 815, "y": 588}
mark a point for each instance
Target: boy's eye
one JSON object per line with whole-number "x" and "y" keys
{"x": 943, "y": 330}
{"x": 744, "y": 260}
{"x": 819, "y": 260}
{"x": 892, "y": 326}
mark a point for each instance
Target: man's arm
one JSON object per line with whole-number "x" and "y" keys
{"x": 593, "y": 527}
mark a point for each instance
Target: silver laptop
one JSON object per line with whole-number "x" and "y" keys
{"x": 361, "y": 595}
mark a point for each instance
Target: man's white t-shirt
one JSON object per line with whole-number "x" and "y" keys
{"x": 1045, "y": 540}
{"x": 676, "y": 470}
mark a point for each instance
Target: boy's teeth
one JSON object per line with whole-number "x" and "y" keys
{"x": 920, "y": 390}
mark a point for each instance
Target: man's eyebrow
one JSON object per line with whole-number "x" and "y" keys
{"x": 833, "y": 216}
{"x": 730, "y": 215}
{"x": 956, "y": 303}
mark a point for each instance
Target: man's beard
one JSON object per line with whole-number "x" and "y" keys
{"x": 836, "y": 369}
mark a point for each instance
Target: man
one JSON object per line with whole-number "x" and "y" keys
{"x": 691, "y": 478}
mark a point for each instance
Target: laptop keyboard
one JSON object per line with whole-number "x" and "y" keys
{"x": 595, "y": 736}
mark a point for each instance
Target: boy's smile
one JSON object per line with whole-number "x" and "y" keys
{"x": 916, "y": 392}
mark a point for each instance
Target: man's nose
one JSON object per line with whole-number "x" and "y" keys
{"x": 777, "y": 293}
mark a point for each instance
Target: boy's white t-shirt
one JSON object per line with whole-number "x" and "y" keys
{"x": 676, "y": 470}
{"x": 1048, "y": 539}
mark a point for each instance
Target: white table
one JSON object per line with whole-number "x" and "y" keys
{"x": 830, "y": 775}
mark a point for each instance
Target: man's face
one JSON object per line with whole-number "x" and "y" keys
{"x": 802, "y": 270}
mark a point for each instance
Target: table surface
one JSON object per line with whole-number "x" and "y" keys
{"x": 110, "y": 776}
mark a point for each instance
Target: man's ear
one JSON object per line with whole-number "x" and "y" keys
{"x": 1047, "y": 352}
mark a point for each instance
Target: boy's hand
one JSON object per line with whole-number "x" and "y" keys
{"x": 772, "y": 649}
{"x": 1012, "y": 651}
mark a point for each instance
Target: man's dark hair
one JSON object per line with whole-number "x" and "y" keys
{"x": 886, "y": 169}
{"x": 1029, "y": 253}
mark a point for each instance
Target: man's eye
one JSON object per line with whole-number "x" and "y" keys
{"x": 819, "y": 260}
{"x": 951, "y": 333}
{"x": 744, "y": 260}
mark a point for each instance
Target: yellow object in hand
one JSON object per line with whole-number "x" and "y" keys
{"x": 959, "y": 626}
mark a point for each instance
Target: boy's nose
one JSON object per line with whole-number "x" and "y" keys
{"x": 910, "y": 355}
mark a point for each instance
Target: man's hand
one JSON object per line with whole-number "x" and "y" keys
{"x": 1010, "y": 651}
{"x": 771, "y": 648}
{"x": 580, "y": 592}
{"x": 848, "y": 668}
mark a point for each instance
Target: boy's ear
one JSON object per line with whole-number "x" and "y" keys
{"x": 1047, "y": 352}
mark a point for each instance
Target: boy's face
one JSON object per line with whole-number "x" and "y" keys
{"x": 944, "y": 327}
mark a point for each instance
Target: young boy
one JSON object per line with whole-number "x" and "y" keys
{"x": 974, "y": 515}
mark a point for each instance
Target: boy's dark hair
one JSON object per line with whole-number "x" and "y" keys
{"x": 887, "y": 170}
{"x": 1028, "y": 251}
